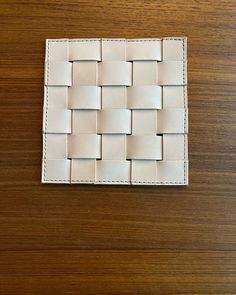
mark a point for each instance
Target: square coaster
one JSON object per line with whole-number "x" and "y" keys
{"x": 115, "y": 111}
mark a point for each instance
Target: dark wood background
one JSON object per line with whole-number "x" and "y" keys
{"x": 83, "y": 239}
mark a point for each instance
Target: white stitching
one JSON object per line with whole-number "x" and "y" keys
{"x": 46, "y": 115}
{"x": 114, "y": 40}
{"x": 113, "y": 181}
{"x": 183, "y": 42}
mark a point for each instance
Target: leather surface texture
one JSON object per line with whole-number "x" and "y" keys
{"x": 115, "y": 111}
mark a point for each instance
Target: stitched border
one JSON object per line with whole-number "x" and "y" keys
{"x": 112, "y": 181}
{"x": 46, "y": 114}
{"x": 183, "y": 42}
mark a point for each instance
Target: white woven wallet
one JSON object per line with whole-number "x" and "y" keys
{"x": 115, "y": 111}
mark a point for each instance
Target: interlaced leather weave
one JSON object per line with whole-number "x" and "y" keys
{"x": 115, "y": 111}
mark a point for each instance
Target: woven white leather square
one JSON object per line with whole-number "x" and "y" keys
{"x": 115, "y": 111}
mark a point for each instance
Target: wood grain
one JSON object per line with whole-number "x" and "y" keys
{"x": 82, "y": 239}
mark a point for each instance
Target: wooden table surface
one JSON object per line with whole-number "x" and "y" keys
{"x": 84, "y": 239}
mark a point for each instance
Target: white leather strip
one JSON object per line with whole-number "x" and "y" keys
{"x": 113, "y": 49}
{"x": 174, "y": 147}
{"x": 84, "y": 121}
{"x": 84, "y": 97}
{"x": 144, "y": 172}
{"x": 174, "y": 49}
{"x": 144, "y": 50}
{"x": 83, "y": 170}
{"x": 114, "y": 121}
{"x": 58, "y": 73}
{"x": 174, "y": 97}
{"x": 57, "y": 121}
{"x": 115, "y": 111}
{"x": 85, "y": 50}
{"x": 178, "y": 173}
{"x": 84, "y": 73}
{"x": 146, "y": 147}
{"x": 172, "y": 121}
{"x": 112, "y": 172}
{"x": 171, "y": 73}
{"x": 54, "y": 170}
{"x": 56, "y": 97}
{"x": 113, "y": 147}
{"x": 145, "y": 73}
{"x": 114, "y": 97}
{"x": 84, "y": 146}
{"x": 57, "y": 50}
{"x": 56, "y": 146}
{"x": 115, "y": 73}
{"x": 144, "y": 122}
{"x": 144, "y": 97}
